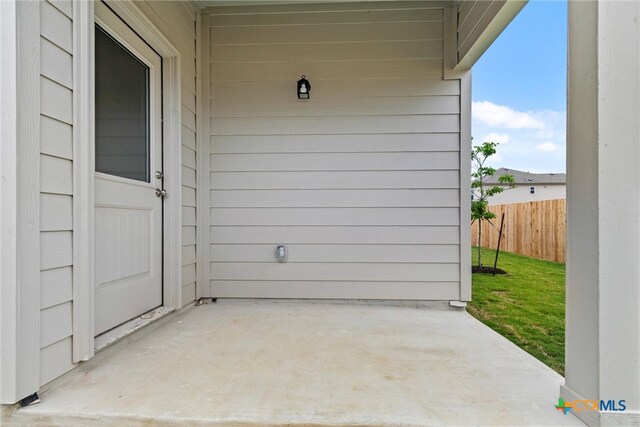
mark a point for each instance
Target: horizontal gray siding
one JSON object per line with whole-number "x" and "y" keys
{"x": 56, "y": 188}
{"x": 362, "y": 181}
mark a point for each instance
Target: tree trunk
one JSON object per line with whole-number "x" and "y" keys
{"x": 479, "y": 242}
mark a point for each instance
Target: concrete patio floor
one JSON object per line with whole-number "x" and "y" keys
{"x": 296, "y": 363}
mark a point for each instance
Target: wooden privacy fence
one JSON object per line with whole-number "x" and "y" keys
{"x": 535, "y": 229}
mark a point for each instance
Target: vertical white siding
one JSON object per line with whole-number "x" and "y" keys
{"x": 56, "y": 198}
{"x": 177, "y": 21}
{"x": 362, "y": 181}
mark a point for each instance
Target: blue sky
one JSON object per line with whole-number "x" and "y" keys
{"x": 519, "y": 90}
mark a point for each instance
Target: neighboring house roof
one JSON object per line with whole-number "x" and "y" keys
{"x": 527, "y": 178}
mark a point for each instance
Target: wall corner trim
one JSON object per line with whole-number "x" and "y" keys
{"x": 20, "y": 197}
{"x": 203, "y": 150}
{"x": 83, "y": 176}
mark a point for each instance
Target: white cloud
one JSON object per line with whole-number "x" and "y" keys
{"x": 501, "y": 116}
{"x": 545, "y": 134}
{"x": 538, "y": 147}
{"x": 546, "y": 146}
{"x": 500, "y": 138}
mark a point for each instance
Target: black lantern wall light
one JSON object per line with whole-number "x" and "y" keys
{"x": 303, "y": 88}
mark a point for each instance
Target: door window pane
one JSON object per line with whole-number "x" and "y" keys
{"x": 122, "y": 110}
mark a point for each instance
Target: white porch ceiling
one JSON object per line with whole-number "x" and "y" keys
{"x": 212, "y": 3}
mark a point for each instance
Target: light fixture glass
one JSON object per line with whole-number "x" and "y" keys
{"x": 304, "y": 87}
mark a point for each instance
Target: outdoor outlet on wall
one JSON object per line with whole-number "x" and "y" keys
{"x": 281, "y": 253}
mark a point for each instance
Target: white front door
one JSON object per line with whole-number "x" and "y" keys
{"x": 128, "y": 170}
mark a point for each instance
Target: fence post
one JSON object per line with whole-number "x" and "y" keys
{"x": 495, "y": 263}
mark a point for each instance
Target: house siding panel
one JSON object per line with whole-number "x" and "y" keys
{"x": 362, "y": 181}
{"x": 56, "y": 27}
{"x": 55, "y": 360}
{"x": 56, "y": 188}
{"x": 55, "y": 286}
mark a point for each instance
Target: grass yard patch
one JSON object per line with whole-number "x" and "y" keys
{"x": 526, "y": 305}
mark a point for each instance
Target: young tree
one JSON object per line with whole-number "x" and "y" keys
{"x": 481, "y": 192}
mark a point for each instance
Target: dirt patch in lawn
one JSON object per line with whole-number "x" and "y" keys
{"x": 487, "y": 270}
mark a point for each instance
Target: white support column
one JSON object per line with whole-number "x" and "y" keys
{"x": 464, "y": 76}
{"x": 19, "y": 200}
{"x": 603, "y": 195}
{"x": 83, "y": 172}
{"x": 8, "y": 201}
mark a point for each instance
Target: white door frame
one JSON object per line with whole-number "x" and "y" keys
{"x": 84, "y": 166}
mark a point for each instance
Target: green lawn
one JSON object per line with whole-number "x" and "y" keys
{"x": 526, "y": 305}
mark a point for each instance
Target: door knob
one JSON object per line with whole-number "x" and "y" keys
{"x": 160, "y": 192}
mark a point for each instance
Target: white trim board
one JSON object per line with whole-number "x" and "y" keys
{"x": 203, "y": 151}
{"x": 83, "y": 329}
{"x": 83, "y": 177}
{"x": 465, "y": 186}
{"x": 464, "y": 76}
{"x": 20, "y": 197}
{"x": 8, "y": 187}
